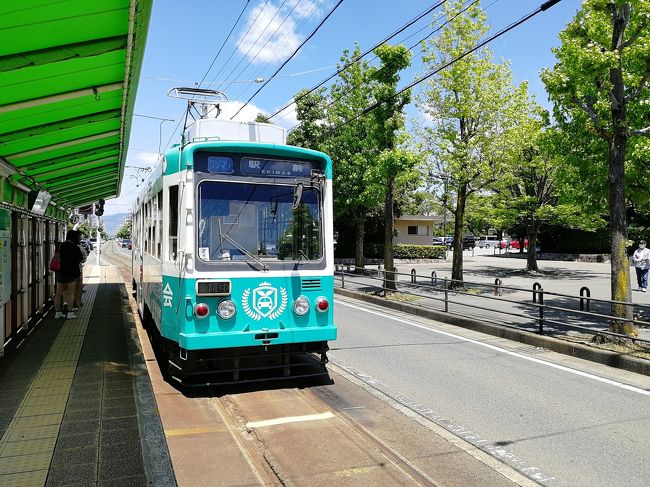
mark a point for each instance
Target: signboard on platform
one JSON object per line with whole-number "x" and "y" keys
{"x": 5, "y": 256}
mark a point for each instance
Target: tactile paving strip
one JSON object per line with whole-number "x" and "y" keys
{"x": 27, "y": 446}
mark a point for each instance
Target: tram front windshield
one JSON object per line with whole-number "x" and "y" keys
{"x": 244, "y": 222}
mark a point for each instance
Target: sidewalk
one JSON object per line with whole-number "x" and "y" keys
{"x": 76, "y": 404}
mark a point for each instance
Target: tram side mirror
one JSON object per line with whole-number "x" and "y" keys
{"x": 297, "y": 196}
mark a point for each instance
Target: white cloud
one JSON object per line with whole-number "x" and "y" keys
{"x": 273, "y": 31}
{"x": 148, "y": 158}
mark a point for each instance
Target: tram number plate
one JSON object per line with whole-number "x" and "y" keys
{"x": 213, "y": 288}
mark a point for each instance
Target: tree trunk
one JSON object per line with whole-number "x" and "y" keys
{"x": 359, "y": 224}
{"x": 459, "y": 218}
{"x": 620, "y": 267}
{"x": 389, "y": 276}
{"x": 531, "y": 258}
{"x": 620, "y": 274}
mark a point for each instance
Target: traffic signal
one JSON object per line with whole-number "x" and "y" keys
{"x": 99, "y": 209}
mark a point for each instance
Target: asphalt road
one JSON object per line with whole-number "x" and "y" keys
{"x": 560, "y": 420}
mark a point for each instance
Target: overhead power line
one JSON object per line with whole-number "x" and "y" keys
{"x": 290, "y": 57}
{"x": 437, "y": 29}
{"x": 239, "y": 43}
{"x": 224, "y": 43}
{"x": 360, "y": 56}
{"x": 542, "y": 8}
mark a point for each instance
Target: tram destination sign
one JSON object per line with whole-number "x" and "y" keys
{"x": 275, "y": 168}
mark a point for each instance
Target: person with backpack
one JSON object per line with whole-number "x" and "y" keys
{"x": 70, "y": 258}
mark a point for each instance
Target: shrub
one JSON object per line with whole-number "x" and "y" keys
{"x": 404, "y": 251}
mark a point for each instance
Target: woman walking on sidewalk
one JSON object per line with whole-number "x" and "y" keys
{"x": 70, "y": 257}
{"x": 641, "y": 261}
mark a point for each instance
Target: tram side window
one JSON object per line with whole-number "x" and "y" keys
{"x": 173, "y": 222}
{"x": 159, "y": 224}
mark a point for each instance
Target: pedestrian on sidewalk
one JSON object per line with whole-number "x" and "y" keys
{"x": 79, "y": 284}
{"x": 641, "y": 261}
{"x": 67, "y": 275}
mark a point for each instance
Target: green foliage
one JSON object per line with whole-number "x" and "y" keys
{"x": 310, "y": 111}
{"x": 125, "y": 230}
{"x": 405, "y": 251}
{"x": 594, "y": 70}
{"x": 262, "y": 118}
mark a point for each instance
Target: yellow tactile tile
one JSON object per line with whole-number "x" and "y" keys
{"x": 28, "y": 444}
{"x": 26, "y": 479}
{"x": 25, "y": 463}
{"x": 29, "y": 447}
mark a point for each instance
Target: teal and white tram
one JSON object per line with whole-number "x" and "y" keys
{"x": 233, "y": 255}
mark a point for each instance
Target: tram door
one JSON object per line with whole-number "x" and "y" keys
{"x": 39, "y": 273}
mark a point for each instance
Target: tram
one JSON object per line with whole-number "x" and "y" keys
{"x": 233, "y": 252}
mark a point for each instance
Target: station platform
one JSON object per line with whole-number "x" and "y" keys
{"x": 76, "y": 402}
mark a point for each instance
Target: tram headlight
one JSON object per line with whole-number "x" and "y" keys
{"x": 301, "y": 306}
{"x": 226, "y": 309}
{"x": 201, "y": 310}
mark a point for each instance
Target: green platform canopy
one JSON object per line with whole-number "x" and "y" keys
{"x": 69, "y": 74}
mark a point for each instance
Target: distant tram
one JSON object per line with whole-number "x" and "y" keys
{"x": 233, "y": 252}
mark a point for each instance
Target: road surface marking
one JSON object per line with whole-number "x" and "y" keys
{"x": 503, "y": 350}
{"x": 289, "y": 419}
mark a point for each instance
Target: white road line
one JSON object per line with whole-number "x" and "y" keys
{"x": 289, "y": 419}
{"x": 503, "y": 350}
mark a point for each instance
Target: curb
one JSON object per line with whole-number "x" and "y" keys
{"x": 605, "y": 357}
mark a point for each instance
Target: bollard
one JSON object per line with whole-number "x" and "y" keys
{"x": 497, "y": 287}
{"x": 413, "y": 276}
{"x": 541, "y": 311}
{"x": 343, "y": 280}
{"x": 434, "y": 280}
{"x": 348, "y": 267}
{"x": 446, "y": 298}
{"x": 536, "y": 287}
{"x": 584, "y": 291}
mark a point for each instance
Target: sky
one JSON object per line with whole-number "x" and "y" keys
{"x": 192, "y": 44}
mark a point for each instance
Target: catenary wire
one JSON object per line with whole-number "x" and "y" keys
{"x": 437, "y": 29}
{"x": 259, "y": 51}
{"x": 542, "y": 8}
{"x": 224, "y": 43}
{"x": 294, "y": 34}
{"x": 238, "y": 43}
{"x": 268, "y": 24}
{"x": 359, "y": 57}
{"x": 331, "y": 12}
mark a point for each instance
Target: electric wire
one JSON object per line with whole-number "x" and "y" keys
{"x": 437, "y": 29}
{"x": 331, "y": 12}
{"x": 224, "y": 43}
{"x": 542, "y": 8}
{"x": 359, "y": 57}
{"x": 268, "y": 24}
{"x": 294, "y": 35}
{"x": 238, "y": 43}
{"x": 250, "y": 61}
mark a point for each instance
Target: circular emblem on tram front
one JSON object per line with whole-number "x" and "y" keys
{"x": 265, "y": 302}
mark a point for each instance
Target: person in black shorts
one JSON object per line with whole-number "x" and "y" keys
{"x": 66, "y": 277}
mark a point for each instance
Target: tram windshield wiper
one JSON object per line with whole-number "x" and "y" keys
{"x": 234, "y": 242}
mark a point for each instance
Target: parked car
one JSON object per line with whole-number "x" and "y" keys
{"x": 491, "y": 241}
{"x": 126, "y": 243}
{"x": 514, "y": 243}
{"x": 442, "y": 240}
{"x": 469, "y": 242}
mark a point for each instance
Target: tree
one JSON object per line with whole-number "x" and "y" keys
{"x": 472, "y": 107}
{"x": 600, "y": 91}
{"x": 388, "y": 120}
{"x": 348, "y": 143}
{"x": 310, "y": 111}
{"x": 125, "y": 230}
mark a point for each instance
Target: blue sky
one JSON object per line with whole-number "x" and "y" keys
{"x": 185, "y": 37}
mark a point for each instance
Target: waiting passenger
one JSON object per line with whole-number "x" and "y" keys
{"x": 70, "y": 257}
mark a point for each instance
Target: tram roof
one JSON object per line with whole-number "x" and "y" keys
{"x": 69, "y": 74}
